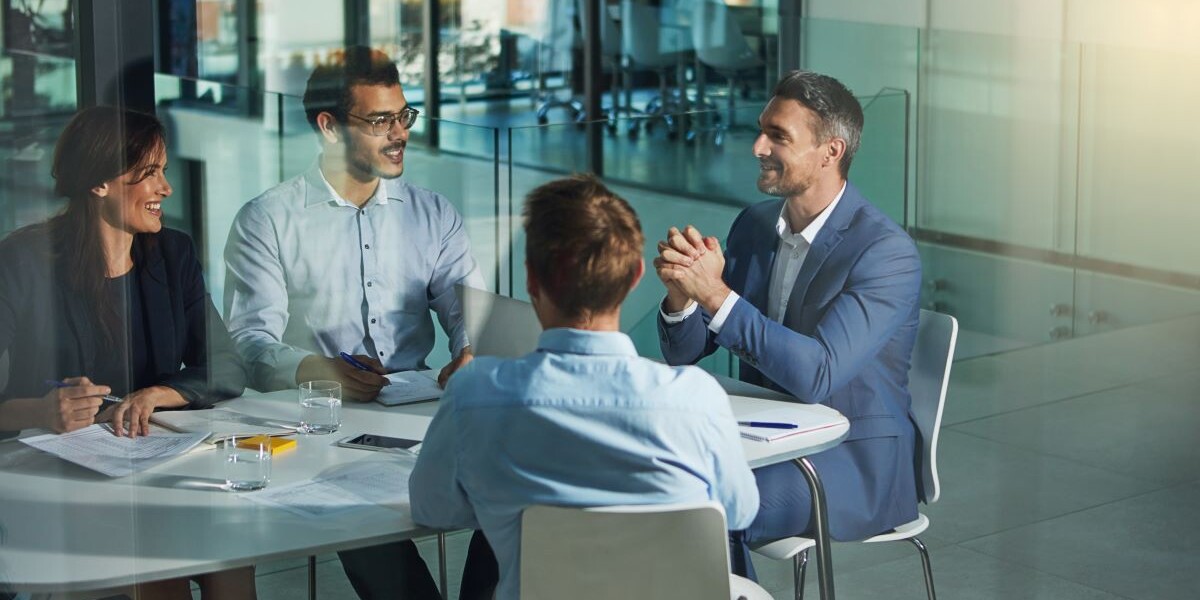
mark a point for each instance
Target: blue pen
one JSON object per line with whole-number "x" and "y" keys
{"x": 106, "y": 401}
{"x": 768, "y": 424}
{"x": 350, "y": 360}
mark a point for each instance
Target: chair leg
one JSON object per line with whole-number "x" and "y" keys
{"x": 928, "y": 568}
{"x": 799, "y": 566}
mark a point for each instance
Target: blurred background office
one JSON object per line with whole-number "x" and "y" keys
{"x": 1041, "y": 152}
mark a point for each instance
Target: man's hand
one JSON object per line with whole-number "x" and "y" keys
{"x": 73, "y": 406}
{"x": 690, "y": 265}
{"x": 459, "y": 361}
{"x": 131, "y": 417}
{"x": 357, "y": 385}
{"x": 680, "y": 249}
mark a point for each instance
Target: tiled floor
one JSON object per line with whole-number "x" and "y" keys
{"x": 1069, "y": 471}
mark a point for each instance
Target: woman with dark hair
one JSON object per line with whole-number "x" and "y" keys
{"x": 101, "y": 299}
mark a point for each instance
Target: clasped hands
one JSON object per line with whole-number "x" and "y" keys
{"x": 690, "y": 265}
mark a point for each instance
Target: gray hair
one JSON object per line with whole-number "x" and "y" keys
{"x": 838, "y": 112}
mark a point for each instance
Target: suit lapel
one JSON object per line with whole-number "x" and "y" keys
{"x": 156, "y": 302}
{"x": 827, "y": 240}
{"x": 762, "y": 261}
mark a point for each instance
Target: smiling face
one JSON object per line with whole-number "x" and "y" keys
{"x": 369, "y": 156}
{"x": 791, "y": 158}
{"x": 132, "y": 201}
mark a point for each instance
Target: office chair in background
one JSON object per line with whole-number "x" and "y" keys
{"x": 721, "y": 45}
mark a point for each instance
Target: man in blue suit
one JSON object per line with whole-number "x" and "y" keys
{"x": 817, "y": 295}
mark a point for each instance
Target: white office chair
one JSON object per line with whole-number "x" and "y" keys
{"x": 651, "y": 45}
{"x": 555, "y": 46}
{"x": 721, "y": 45}
{"x": 665, "y": 552}
{"x": 928, "y": 378}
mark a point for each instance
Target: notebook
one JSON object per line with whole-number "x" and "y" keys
{"x": 804, "y": 420}
{"x": 407, "y": 387}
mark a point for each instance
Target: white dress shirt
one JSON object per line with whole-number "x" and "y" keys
{"x": 789, "y": 257}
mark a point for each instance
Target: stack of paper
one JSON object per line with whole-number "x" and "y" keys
{"x": 220, "y": 424}
{"x": 96, "y": 448}
{"x": 804, "y": 421}
{"x": 407, "y": 387}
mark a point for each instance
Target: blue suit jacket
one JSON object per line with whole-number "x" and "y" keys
{"x": 845, "y": 341}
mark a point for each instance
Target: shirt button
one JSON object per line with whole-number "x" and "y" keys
{"x": 368, "y": 284}
{"x": 367, "y": 246}
{"x": 372, "y": 321}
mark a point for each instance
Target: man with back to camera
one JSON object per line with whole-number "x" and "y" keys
{"x": 347, "y": 257}
{"x": 582, "y": 421}
{"x": 817, "y": 295}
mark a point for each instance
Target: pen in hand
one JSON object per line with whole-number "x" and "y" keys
{"x": 768, "y": 424}
{"x": 354, "y": 362}
{"x": 106, "y": 400}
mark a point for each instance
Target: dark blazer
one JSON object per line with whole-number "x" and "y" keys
{"x": 845, "y": 341}
{"x": 50, "y": 333}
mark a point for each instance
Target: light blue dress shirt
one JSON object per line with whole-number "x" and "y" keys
{"x": 583, "y": 421}
{"x": 308, "y": 272}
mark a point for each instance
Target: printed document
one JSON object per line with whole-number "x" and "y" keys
{"x": 220, "y": 423}
{"x": 96, "y": 448}
{"x": 358, "y": 485}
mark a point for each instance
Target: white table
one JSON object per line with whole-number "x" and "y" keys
{"x": 66, "y": 528}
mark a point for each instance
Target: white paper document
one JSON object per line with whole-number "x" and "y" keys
{"x": 805, "y": 421}
{"x": 356, "y": 486}
{"x": 220, "y": 423}
{"x": 96, "y": 448}
{"x": 407, "y": 387}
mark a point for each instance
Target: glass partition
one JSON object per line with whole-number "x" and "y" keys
{"x": 37, "y": 97}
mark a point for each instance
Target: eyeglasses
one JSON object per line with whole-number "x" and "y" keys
{"x": 382, "y": 124}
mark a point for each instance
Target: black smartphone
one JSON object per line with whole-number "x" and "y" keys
{"x": 370, "y": 441}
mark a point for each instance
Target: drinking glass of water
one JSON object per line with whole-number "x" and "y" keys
{"x": 247, "y": 465}
{"x": 320, "y": 407}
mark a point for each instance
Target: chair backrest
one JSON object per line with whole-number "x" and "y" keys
{"x": 666, "y": 552}
{"x": 497, "y": 325}
{"x": 928, "y": 378}
{"x": 647, "y": 41}
{"x": 719, "y": 41}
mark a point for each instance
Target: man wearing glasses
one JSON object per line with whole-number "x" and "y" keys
{"x": 349, "y": 258}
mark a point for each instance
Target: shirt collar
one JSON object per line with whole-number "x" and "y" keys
{"x": 808, "y": 233}
{"x": 320, "y": 191}
{"x": 578, "y": 341}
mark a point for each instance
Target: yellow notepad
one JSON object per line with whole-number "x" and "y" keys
{"x": 277, "y": 444}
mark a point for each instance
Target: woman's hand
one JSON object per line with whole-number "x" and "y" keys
{"x": 132, "y": 416}
{"x": 73, "y": 406}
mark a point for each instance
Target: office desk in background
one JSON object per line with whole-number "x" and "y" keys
{"x": 66, "y": 528}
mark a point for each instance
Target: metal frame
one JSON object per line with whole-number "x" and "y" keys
{"x": 114, "y": 56}
{"x": 592, "y": 73}
{"x": 432, "y": 40}
{"x": 791, "y": 55}
{"x": 820, "y": 526}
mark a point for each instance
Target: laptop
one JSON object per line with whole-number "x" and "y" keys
{"x": 498, "y": 325}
